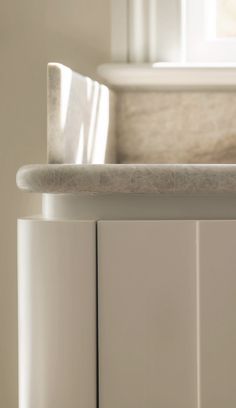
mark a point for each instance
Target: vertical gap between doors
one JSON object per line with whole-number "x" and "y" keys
{"x": 97, "y": 313}
{"x": 198, "y": 316}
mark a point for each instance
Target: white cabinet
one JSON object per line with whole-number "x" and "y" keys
{"x": 167, "y": 314}
{"x": 147, "y": 314}
{"x": 57, "y": 314}
{"x": 163, "y": 295}
{"x": 217, "y": 263}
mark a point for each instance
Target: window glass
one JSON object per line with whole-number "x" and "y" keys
{"x": 225, "y": 18}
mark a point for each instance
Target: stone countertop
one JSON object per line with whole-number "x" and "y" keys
{"x": 171, "y": 179}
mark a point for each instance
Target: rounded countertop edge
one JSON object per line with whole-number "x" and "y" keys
{"x": 160, "y": 179}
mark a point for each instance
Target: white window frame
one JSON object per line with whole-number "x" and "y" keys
{"x": 184, "y": 35}
{"x": 133, "y": 41}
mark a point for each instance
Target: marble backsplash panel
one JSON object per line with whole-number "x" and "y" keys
{"x": 176, "y": 127}
{"x": 81, "y": 118}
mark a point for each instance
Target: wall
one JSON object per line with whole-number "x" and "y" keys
{"x": 32, "y": 33}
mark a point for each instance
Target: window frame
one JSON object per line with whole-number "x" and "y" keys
{"x": 195, "y": 44}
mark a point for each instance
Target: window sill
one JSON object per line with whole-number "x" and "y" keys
{"x": 169, "y": 76}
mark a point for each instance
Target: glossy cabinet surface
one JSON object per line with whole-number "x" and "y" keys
{"x": 217, "y": 254}
{"x": 127, "y": 314}
{"x": 147, "y": 317}
{"x": 167, "y": 302}
{"x": 57, "y": 314}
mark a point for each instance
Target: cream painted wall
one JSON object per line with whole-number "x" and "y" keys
{"x": 32, "y": 33}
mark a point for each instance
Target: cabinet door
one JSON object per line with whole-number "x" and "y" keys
{"x": 57, "y": 314}
{"x": 147, "y": 314}
{"x": 217, "y": 292}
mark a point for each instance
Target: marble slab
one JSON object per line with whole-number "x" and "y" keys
{"x": 176, "y": 127}
{"x": 90, "y": 124}
{"x": 81, "y": 118}
{"x": 171, "y": 179}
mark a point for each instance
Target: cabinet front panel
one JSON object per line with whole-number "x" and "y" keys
{"x": 57, "y": 314}
{"x": 147, "y": 314}
{"x": 217, "y": 254}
